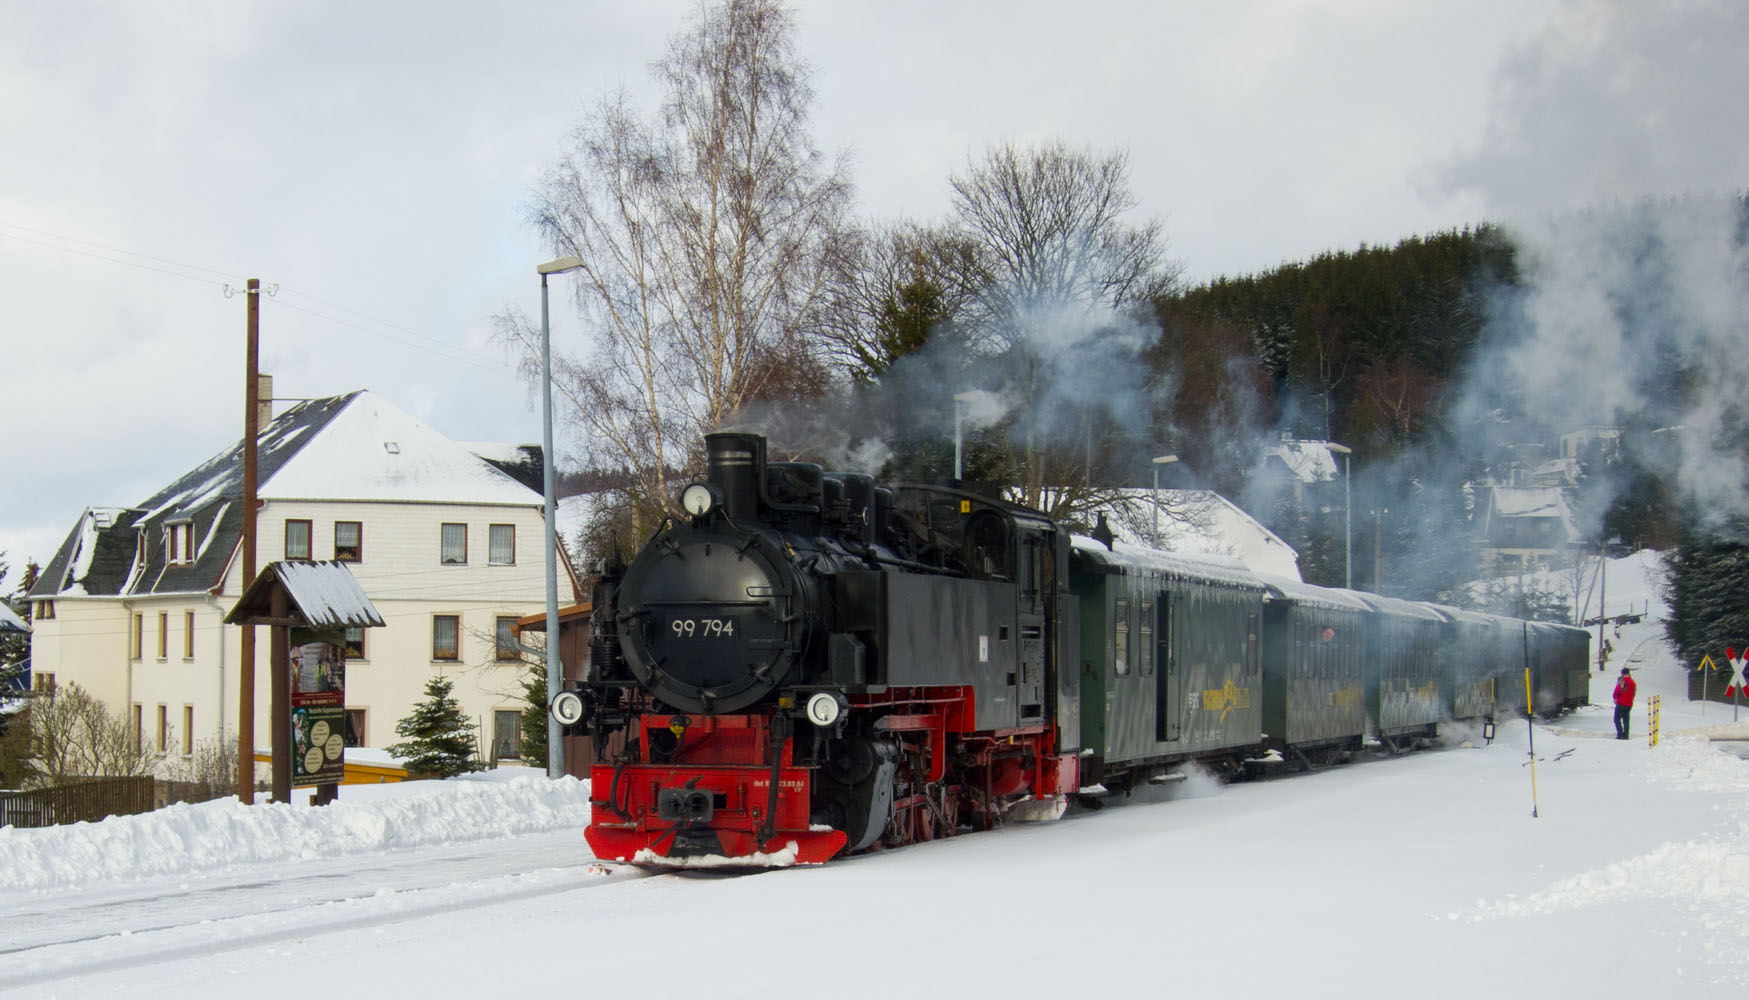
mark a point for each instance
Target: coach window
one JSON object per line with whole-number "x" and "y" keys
{"x": 1145, "y": 640}
{"x": 1120, "y": 646}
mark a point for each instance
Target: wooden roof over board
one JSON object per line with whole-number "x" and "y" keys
{"x": 567, "y": 614}
{"x": 320, "y": 595}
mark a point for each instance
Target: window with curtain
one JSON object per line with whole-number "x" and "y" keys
{"x": 455, "y": 545}
{"x": 348, "y": 541}
{"x": 446, "y": 637}
{"x": 501, "y": 547}
{"x": 507, "y": 646}
{"x": 507, "y": 735}
{"x": 297, "y": 539}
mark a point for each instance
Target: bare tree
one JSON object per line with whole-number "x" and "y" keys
{"x": 707, "y": 236}
{"x": 895, "y": 284}
{"x": 74, "y": 735}
{"x": 1056, "y": 266}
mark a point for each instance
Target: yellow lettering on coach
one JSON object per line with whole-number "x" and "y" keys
{"x": 1226, "y": 698}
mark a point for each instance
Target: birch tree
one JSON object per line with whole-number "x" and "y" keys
{"x": 707, "y": 234}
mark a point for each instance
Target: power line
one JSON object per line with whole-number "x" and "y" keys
{"x": 223, "y": 279}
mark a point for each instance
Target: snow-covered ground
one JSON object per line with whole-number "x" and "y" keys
{"x": 1421, "y": 875}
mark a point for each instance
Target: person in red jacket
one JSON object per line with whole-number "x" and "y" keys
{"x": 1624, "y": 703}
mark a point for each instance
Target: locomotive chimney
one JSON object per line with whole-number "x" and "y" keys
{"x": 737, "y": 468}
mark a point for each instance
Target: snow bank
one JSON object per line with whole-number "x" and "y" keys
{"x": 224, "y": 833}
{"x": 1710, "y": 871}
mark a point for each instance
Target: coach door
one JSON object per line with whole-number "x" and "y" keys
{"x": 1167, "y": 697}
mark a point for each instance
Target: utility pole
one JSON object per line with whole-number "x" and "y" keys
{"x": 1602, "y": 592}
{"x": 246, "y": 659}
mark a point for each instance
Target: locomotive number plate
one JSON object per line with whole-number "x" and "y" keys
{"x": 702, "y": 628}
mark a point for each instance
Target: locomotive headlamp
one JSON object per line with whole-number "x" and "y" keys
{"x": 824, "y": 709}
{"x": 567, "y": 708}
{"x": 698, "y": 499}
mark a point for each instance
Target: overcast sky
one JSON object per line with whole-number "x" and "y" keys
{"x": 374, "y": 161}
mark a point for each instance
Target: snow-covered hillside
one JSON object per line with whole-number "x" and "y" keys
{"x": 1424, "y": 875}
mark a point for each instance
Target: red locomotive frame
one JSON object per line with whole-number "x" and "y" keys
{"x": 950, "y": 775}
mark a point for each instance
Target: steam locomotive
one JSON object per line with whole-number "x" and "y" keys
{"x": 808, "y": 665}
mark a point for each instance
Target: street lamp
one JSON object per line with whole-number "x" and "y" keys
{"x": 1162, "y": 460}
{"x": 959, "y": 401}
{"x": 1347, "y": 515}
{"x": 555, "y": 670}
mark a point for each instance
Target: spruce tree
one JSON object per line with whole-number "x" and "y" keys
{"x": 440, "y": 739}
{"x": 534, "y": 715}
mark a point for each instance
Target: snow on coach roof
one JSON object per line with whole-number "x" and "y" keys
{"x": 1124, "y": 556}
{"x": 1310, "y": 593}
{"x": 1398, "y": 606}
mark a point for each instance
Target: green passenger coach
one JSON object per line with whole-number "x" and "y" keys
{"x": 1170, "y": 661}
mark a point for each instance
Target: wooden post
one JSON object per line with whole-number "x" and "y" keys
{"x": 246, "y": 656}
{"x": 279, "y": 676}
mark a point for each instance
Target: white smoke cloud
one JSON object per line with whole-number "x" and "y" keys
{"x": 1614, "y": 155}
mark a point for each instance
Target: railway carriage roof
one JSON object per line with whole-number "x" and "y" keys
{"x": 1125, "y": 558}
{"x": 1282, "y": 588}
{"x": 1398, "y": 606}
{"x": 1461, "y": 615}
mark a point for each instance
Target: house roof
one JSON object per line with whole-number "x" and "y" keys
{"x": 1202, "y": 522}
{"x": 1306, "y": 461}
{"x": 351, "y": 447}
{"x": 10, "y": 621}
{"x": 1507, "y": 503}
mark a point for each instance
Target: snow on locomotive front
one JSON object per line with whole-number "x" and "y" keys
{"x": 807, "y": 665}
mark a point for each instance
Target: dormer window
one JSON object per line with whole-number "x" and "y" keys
{"x": 179, "y": 543}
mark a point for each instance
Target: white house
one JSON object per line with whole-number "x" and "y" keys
{"x": 446, "y": 543}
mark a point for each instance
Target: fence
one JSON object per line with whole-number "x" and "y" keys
{"x": 81, "y": 801}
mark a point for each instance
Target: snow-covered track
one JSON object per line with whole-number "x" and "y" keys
{"x": 59, "y": 940}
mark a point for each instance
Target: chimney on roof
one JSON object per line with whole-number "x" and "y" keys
{"x": 1102, "y": 532}
{"x": 263, "y": 401}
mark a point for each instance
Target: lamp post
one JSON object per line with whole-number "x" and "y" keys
{"x": 555, "y": 670}
{"x": 1161, "y": 460}
{"x": 959, "y": 401}
{"x": 1347, "y": 514}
